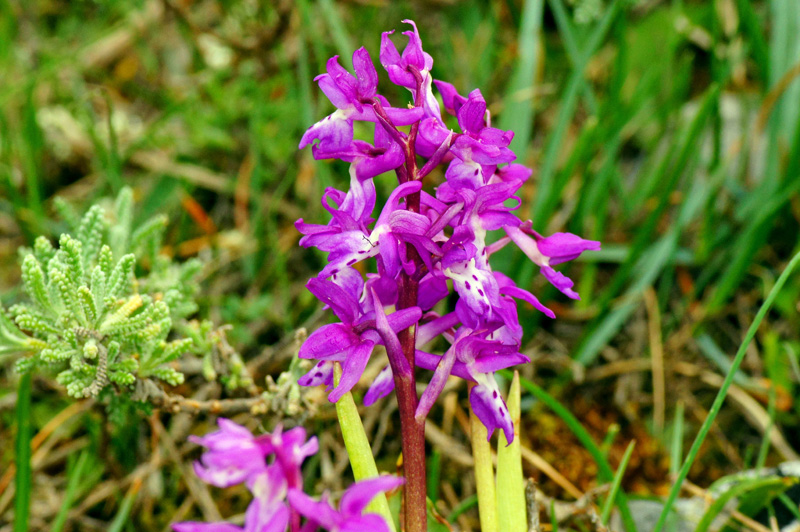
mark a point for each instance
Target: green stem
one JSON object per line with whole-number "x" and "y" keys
{"x": 358, "y": 448}
{"x": 511, "y": 510}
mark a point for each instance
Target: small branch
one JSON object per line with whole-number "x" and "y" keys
{"x": 562, "y": 511}
{"x": 101, "y": 373}
{"x": 228, "y": 407}
{"x": 253, "y": 405}
{"x": 533, "y": 506}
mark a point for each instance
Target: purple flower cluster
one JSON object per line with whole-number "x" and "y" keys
{"x": 270, "y": 467}
{"x": 425, "y": 244}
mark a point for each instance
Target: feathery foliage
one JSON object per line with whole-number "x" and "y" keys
{"x": 92, "y": 316}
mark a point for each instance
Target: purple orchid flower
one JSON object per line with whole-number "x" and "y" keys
{"x": 473, "y": 357}
{"x": 259, "y": 517}
{"x": 278, "y": 501}
{"x": 411, "y": 69}
{"x": 192, "y": 526}
{"x": 426, "y": 244}
{"x": 368, "y": 160}
{"x": 234, "y": 456}
{"x": 413, "y": 55}
{"x": 291, "y": 448}
{"x": 547, "y": 252}
{"x": 353, "y": 97}
{"x": 350, "y": 242}
{"x": 432, "y": 134}
{"x": 352, "y": 212}
{"x": 480, "y": 142}
{"x": 381, "y": 386}
{"x": 350, "y": 516}
{"x": 350, "y": 342}
{"x": 466, "y": 258}
{"x": 452, "y": 100}
{"x": 267, "y": 512}
{"x": 434, "y": 326}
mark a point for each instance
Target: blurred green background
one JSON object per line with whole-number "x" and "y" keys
{"x": 667, "y": 129}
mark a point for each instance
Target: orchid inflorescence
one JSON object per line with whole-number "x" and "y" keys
{"x": 425, "y": 243}
{"x": 269, "y": 465}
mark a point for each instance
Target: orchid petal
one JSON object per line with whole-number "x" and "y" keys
{"x": 352, "y": 368}
{"x": 367, "y": 82}
{"x": 380, "y": 387}
{"x": 491, "y": 409}
{"x": 356, "y": 498}
{"x": 560, "y": 281}
{"x": 321, "y": 373}
{"x": 393, "y": 348}
{"x": 328, "y": 341}
{"x": 436, "y": 384}
{"x": 334, "y": 132}
{"x": 343, "y": 304}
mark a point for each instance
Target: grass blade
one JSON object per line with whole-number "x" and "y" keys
{"x": 434, "y": 475}
{"x": 790, "y": 505}
{"x": 676, "y": 445}
{"x": 652, "y": 259}
{"x": 666, "y": 181}
{"x": 567, "y": 31}
{"x": 735, "y": 492}
{"x": 518, "y": 112}
{"x": 462, "y": 507}
{"x": 121, "y": 519}
{"x": 31, "y": 154}
{"x": 763, "y": 450}
{"x": 750, "y": 240}
{"x": 23, "y": 478}
{"x": 340, "y": 36}
{"x": 615, "y": 485}
{"x": 75, "y": 477}
{"x": 752, "y": 29}
{"x": 565, "y": 114}
{"x": 723, "y": 392}
{"x": 719, "y": 358}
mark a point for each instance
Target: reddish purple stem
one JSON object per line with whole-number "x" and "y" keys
{"x": 412, "y": 430}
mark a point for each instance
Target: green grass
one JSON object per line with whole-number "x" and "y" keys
{"x": 662, "y": 129}
{"x": 23, "y": 480}
{"x": 74, "y": 475}
{"x": 611, "y": 499}
{"x": 723, "y": 391}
